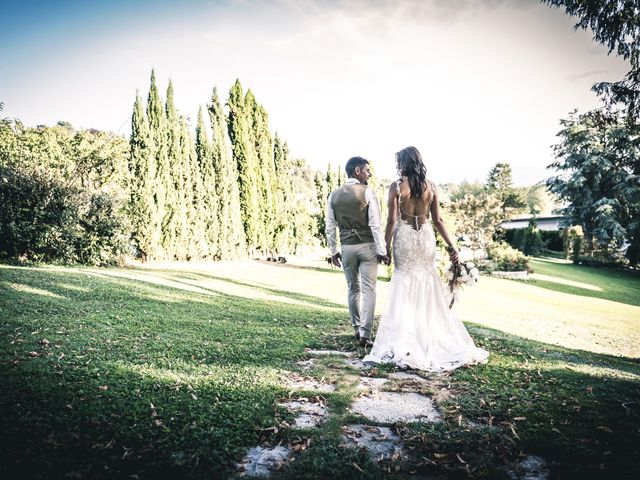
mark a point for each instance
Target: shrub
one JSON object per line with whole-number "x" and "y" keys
{"x": 576, "y": 246}
{"x": 43, "y": 218}
{"x": 552, "y": 240}
{"x": 502, "y": 257}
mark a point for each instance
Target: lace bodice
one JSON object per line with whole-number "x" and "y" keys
{"x": 414, "y": 242}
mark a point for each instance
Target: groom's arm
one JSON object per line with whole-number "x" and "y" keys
{"x": 330, "y": 228}
{"x": 374, "y": 222}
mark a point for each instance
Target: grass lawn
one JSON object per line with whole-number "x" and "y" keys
{"x": 175, "y": 372}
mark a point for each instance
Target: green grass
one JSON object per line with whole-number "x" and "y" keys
{"x": 175, "y": 372}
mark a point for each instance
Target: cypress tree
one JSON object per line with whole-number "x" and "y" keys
{"x": 285, "y": 234}
{"x": 141, "y": 178}
{"x": 323, "y": 196}
{"x": 189, "y": 169}
{"x": 178, "y": 228}
{"x": 231, "y": 233}
{"x": 195, "y": 207}
{"x": 264, "y": 153}
{"x": 332, "y": 180}
{"x": 244, "y": 156}
{"x": 156, "y": 117}
{"x": 210, "y": 198}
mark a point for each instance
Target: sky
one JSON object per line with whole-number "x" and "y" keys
{"x": 468, "y": 82}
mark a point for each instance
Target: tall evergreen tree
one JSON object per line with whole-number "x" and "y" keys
{"x": 157, "y": 128}
{"x": 322, "y": 195}
{"x": 499, "y": 182}
{"x": 341, "y": 176}
{"x": 264, "y": 150}
{"x": 141, "y": 184}
{"x": 332, "y": 179}
{"x": 198, "y": 247}
{"x": 284, "y": 196}
{"x": 243, "y": 153}
{"x": 210, "y": 198}
{"x": 231, "y": 235}
{"x": 177, "y": 233}
{"x": 189, "y": 170}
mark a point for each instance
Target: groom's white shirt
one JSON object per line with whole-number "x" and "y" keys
{"x": 374, "y": 221}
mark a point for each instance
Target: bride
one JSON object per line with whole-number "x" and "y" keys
{"x": 418, "y": 330}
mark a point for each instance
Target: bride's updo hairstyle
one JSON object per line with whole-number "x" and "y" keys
{"x": 409, "y": 164}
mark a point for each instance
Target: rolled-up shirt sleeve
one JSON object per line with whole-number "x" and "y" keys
{"x": 374, "y": 222}
{"x": 330, "y": 228}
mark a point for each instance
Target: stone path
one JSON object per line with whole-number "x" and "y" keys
{"x": 382, "y": 402}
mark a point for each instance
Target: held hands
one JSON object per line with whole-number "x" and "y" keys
{"x": 386, "y": 259}
{"x": 336, "y": 260}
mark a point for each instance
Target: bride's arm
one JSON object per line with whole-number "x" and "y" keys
{"x": 438, "y": 222}
{"x": 392, "y": 215}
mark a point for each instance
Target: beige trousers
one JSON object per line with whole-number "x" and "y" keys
{"x": 360, "y": 265}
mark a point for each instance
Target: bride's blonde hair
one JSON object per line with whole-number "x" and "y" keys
{"x": 409, "y": 164}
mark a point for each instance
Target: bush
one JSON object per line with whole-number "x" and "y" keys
{"x": 45, "y": 219}
{"x": 532, "y": 243}
{"x": 576, "y": 246}
{"x": 552, "y": 240}
{"x": 502, "y": 257}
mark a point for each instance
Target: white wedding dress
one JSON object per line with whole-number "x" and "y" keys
{"x": 418, "y": 329}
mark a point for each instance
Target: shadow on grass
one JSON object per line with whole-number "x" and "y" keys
{"x": 381, "y": 278}
{"x": 310, "y": 299}
{"x": 616, "y": 285}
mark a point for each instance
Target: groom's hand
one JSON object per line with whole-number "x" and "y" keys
{"x": 384, "y": 259}
{"x": 336, "y": 260}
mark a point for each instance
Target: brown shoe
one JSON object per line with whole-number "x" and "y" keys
{"x": 366, "y": 342}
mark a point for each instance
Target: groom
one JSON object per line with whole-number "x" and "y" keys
{"x": 354, "y": 209}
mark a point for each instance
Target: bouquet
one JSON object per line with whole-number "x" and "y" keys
{"x": 459, "y": 275}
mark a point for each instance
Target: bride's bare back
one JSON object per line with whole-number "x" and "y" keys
{"x": 414, "y": 211}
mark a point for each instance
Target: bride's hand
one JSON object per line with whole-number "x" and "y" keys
{"x": 453, "y": 254}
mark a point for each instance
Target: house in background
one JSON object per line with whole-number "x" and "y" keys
{"x": 545, "y": 222}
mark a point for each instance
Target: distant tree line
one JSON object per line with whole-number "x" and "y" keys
{"x": 229, "y": 191}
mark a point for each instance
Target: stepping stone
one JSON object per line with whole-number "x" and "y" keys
{"x": 380, "y": 442}
{"x": 404, "y": 376}
{"x": 358, "y": 364}
{"x": 263, "y": 461}
{"x": 297, "y": 382}
{"x": 309, "y": 414}
{"x": 326, "y": 353}
{"x": 371, "y": 383}
{"x": 307, "y": 364}
{"x": 392, "y": 407}
{"x": 530, "y": 468}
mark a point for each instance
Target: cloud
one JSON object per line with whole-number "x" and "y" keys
{"x": 581, "y": 76}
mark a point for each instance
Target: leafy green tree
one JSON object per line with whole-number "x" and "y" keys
{"x": 599, "y": 163}
{"x": 476, "y": 218}
{"x": 499, "y": 182}
{"x": 232, "y": 241}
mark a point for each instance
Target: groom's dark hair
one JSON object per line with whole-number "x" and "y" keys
{"x": 354, "y": 162}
